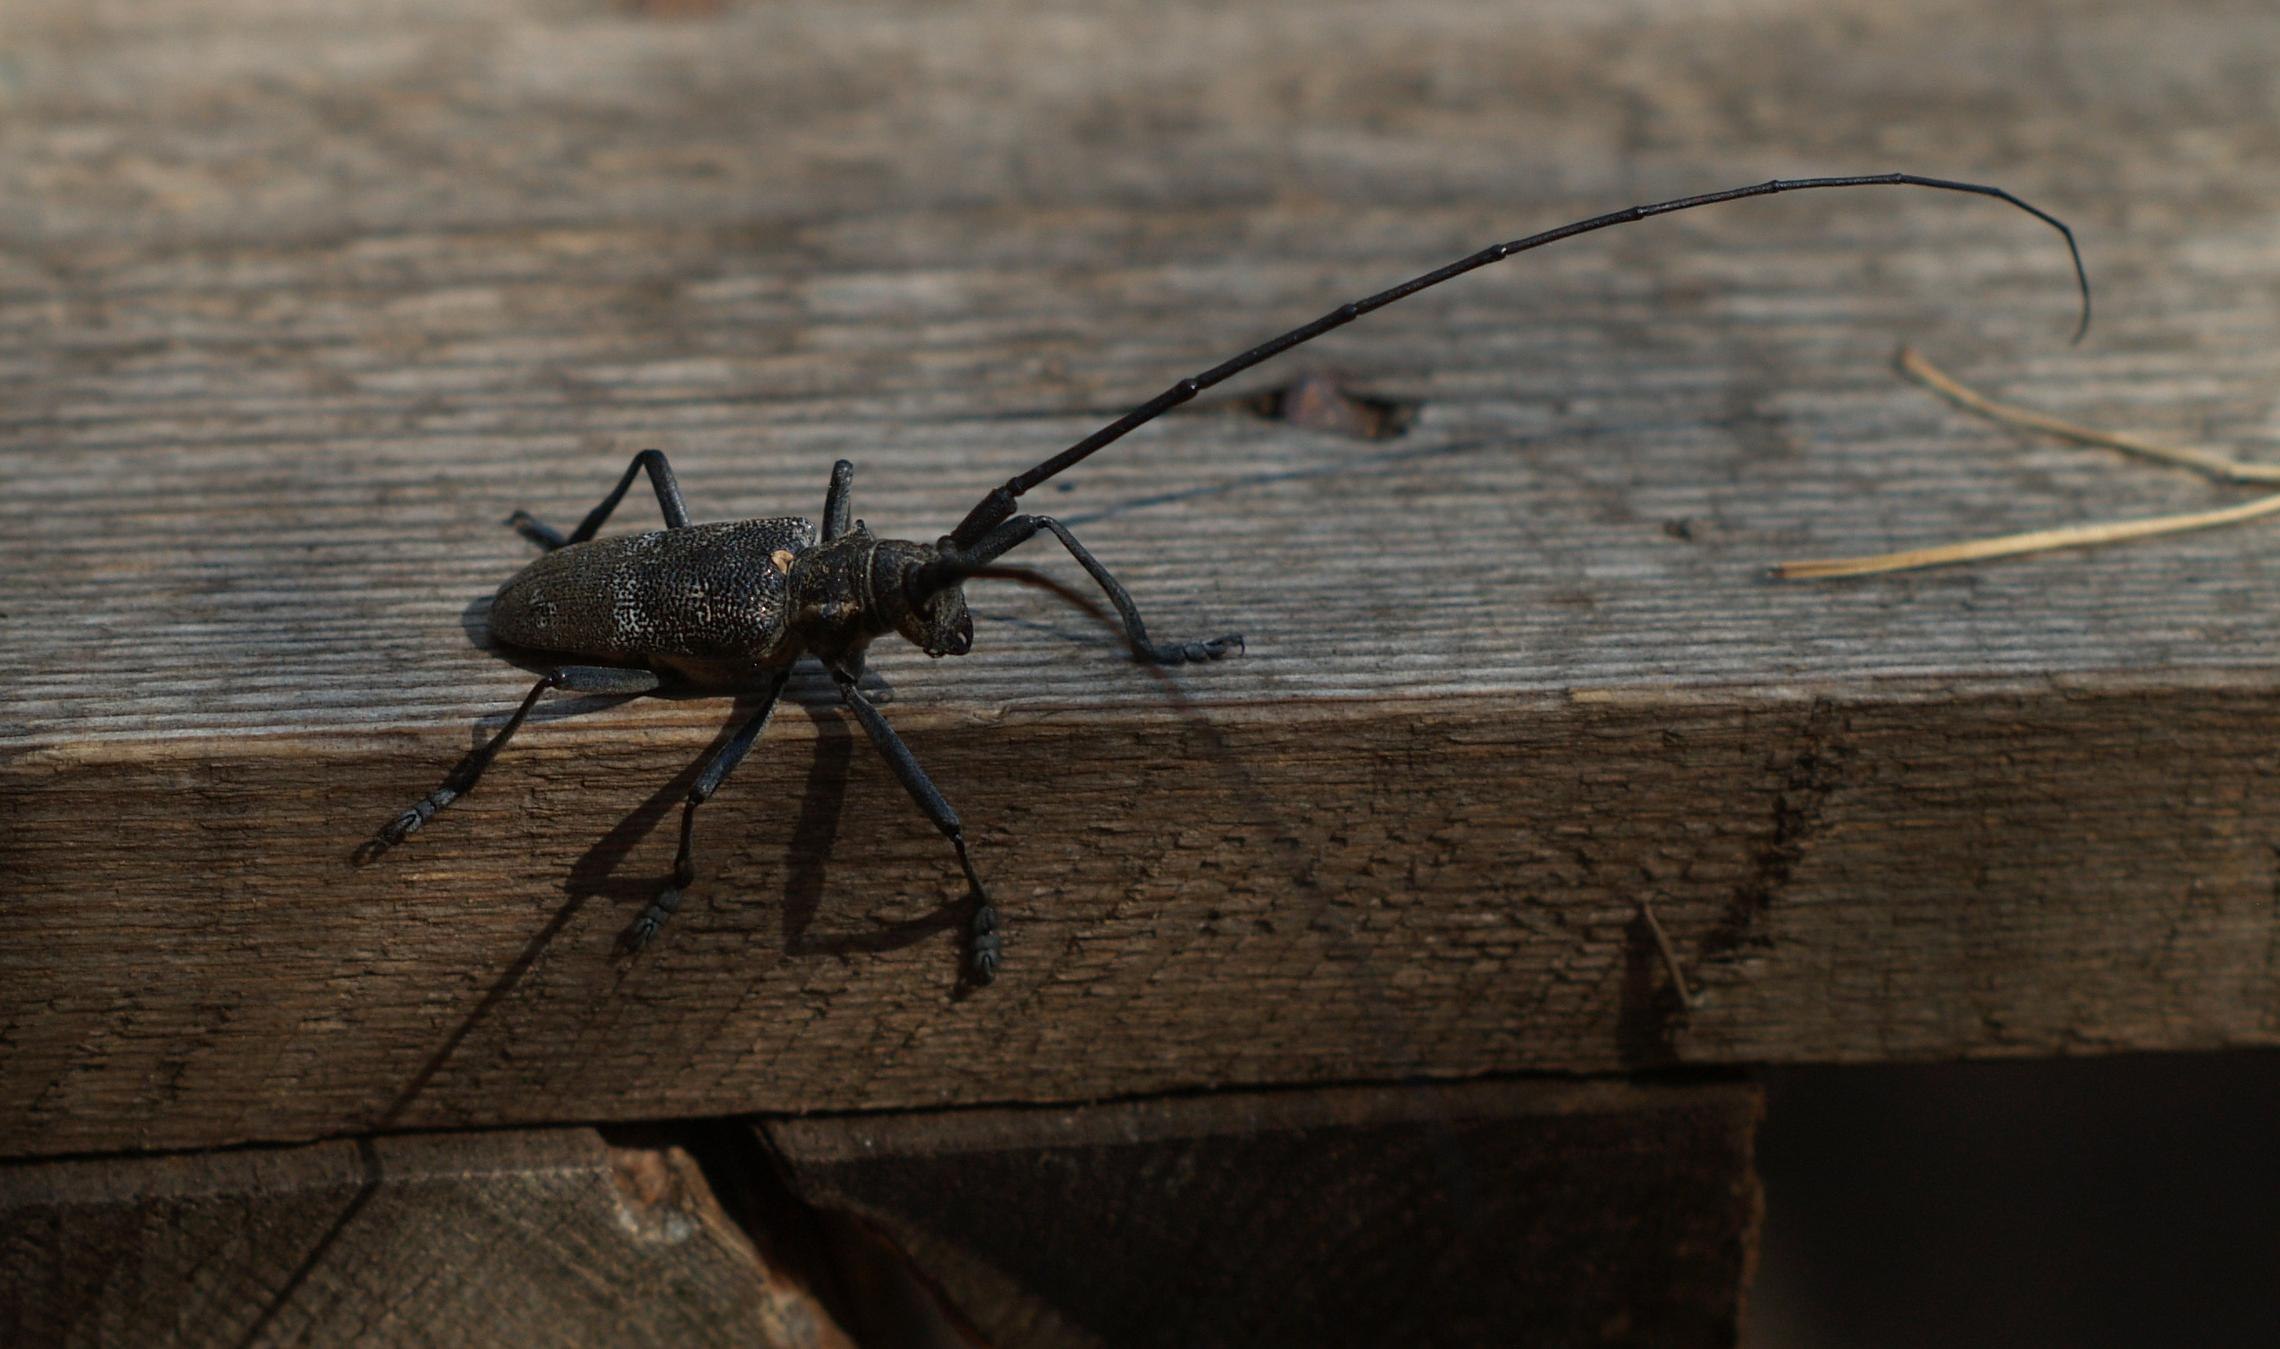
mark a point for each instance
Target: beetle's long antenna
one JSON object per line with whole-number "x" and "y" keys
{"x": 995, "y": 508}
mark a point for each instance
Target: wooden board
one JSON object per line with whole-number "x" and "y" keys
{"x": 296, "y": 305}
{"x": 548, "y": 1237}
{"x": 1508, "y": 1213}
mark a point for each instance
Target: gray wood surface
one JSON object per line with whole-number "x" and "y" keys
{"x": 297, "y": 303}
{"x": 546, "y": 1237}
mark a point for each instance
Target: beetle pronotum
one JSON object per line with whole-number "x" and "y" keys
{"x": 730, "y": 607}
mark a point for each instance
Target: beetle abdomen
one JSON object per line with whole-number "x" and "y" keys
{"x": 705, "y": 595}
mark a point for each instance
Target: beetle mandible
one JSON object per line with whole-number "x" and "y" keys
{"x": 729, "y": 607}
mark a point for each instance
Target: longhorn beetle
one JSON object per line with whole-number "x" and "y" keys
{"x": 729, "y": 607}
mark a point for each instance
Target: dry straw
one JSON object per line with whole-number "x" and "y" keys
{"x": 2215, "y": 466}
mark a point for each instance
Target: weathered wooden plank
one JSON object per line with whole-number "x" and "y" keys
{"x": 1535, "y": 1213}
{"x": 534, "y": 1238}
{"x": 288, "y": 322}
{"x": 2050, "y": 870}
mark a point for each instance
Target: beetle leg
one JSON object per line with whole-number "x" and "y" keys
{"x": 837, "y": 502}
{"x": 982, "y": 943}
{"x": 716, "y": 771}
{"x": 660, "y": 477}
{"x": 1021, "y": 528}
{"x": 463, "y": 776}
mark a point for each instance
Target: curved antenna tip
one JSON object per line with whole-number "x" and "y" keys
{"x": 2081, "y": 280}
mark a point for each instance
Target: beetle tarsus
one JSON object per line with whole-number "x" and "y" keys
{"x": 983, "y": 947}
{"x": 1195, "y": 653}
{"x": 408, "y": 823}
{"x": 644, "y": 929}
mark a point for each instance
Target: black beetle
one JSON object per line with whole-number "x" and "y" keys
{"x": 730, "y": 607}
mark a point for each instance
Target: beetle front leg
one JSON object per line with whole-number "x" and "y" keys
{"x": 660, "y": 477}
{"x": 983, "y": 948}
{"x": 1021, "y": 528}
{"x": 716, "y": 771}
{"x": 463, "y": 776}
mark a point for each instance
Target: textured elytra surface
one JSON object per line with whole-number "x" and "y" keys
{"x": 295, "y": 305}
{"x": 712, "y": 595}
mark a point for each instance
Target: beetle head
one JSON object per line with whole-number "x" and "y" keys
{"x": 940, "y": 624}
{"x": 927, "y": 604}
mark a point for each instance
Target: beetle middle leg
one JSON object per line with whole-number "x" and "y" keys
{"x": 463, "y": 777}
{"x": 716, "y": 771}
{"x": 660, "y": 477}
{"x": 982, "y": 945}
{"x": 1021, "y": 528}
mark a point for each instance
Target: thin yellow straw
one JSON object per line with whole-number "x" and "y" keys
{"x": 2214, "y": 465}
{"x": 2035, "y": 541}
{"x": 2044, "y": 540}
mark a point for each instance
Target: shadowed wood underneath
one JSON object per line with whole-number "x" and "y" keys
{"x": 1491, "y": 1213}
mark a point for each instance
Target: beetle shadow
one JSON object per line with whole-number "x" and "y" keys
{"x": 596, "y": 875}
{"x": 1339, "y": 927}
{"x": 591, "y": 877}
{"x": 600, "y": 871}
{"x": 807, "y": 858}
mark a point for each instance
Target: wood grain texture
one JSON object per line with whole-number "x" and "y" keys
{"x": 1536, "y": 1213}
{"x": 297, "y": 304}
{"x": 547, "y": 1237}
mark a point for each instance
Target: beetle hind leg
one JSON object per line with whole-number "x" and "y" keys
{"x": 469, "y": 770}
